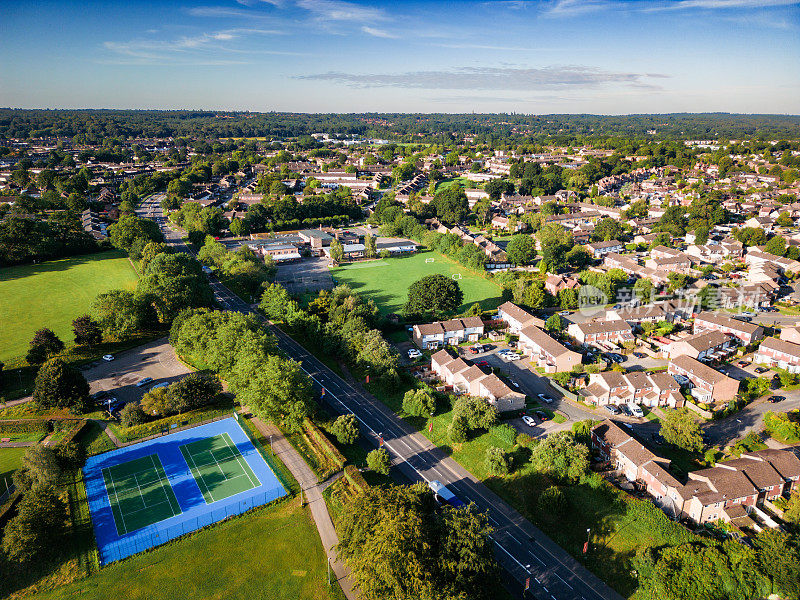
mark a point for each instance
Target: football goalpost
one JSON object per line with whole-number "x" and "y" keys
{"x": 429, "y": 260}
{"x": 456, "y": 275}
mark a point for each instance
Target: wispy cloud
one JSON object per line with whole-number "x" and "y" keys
{"x": 381, "y": 33}
{"x": 491, "y": 78}
{"x": 722, "y": 4}
{"x": 338, "y": 10}
{"x": 571, "y": 8}
{"x": 465, "y": 46}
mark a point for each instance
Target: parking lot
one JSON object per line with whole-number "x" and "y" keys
{"x": 119, "y": 376}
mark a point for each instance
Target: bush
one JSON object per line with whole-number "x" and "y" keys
{"x": 553, "y": 501}
{"x": 132, "y": 414}
{"x": 497, "y": 461}
{"x": 419, "y": 403}
{"x": 379, "y": 461}
{"x": 458, "y": 431}
{"x": 25, "y": 426}
{"x": 345, "y": 428}
{"x": 355, "y": 478}
{"x": 525, "y": 440}
{"x": 504, "y": 433}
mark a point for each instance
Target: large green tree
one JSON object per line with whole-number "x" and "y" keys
{"x": 398, "y": 544}
{"x": 451, "y": 204}
{"x": 433, "y": 295}
{"x": 59, "y": 385}
{"x": 561, "y": 456}
{"x": 45, "y": 343}
{"x": 172, "y": 283}
{"x": 681, "y": 429}
{"x": 38, "y": 527}
{"x": 521, "y": 249}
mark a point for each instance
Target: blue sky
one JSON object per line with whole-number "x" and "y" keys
{"x": 549, "y": 56}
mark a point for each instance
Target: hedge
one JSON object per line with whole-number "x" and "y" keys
{"x": 355, "y": 478}
{"x": 331, "y": 452}
{"x": 136, "y": 432}
{"x": 73, "y": 433}
{"x": 25, "y": 426}
{"x": 7, "y": 511}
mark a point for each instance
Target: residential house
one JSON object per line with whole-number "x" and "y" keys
{"x": 453, "y": 332}
{"x": 549, "y": 354}
{"x": 747, "y": 333}
{"x": 555, "y": 283}
{"x": 517, "y": 318}
{"x": 600, "y": 249}
{"x": 780, "y": 353}
{"x": 636, "y": 315}
{"x": 709, "y": 384}
{"x": 706, "y": 345}
{"x": 601, "y": 332}
{"x": 649, "y": 389}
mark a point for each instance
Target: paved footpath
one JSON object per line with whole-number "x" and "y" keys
{"x": 312, "y": 493}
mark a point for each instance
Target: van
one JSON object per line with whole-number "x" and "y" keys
{"x": 635, "y": 409}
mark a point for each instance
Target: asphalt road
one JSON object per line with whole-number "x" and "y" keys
{"x": 522, "y": 549}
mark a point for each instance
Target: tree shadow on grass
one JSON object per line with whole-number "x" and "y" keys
{"x": 66, "y": 263}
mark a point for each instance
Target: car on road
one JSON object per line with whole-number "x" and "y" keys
{"x": 546, "y": 399}
{"x": 529, "y": 421}
{"x": 639, "y": 355}
{"x": 761, "y": 370}
{"x": 564, "y": 313}
{"x": 743, "y": 363}
{"x": 542, "y": 415}
{"x": 628, "y": 425}
{"x": 414, "y": 353}
{"x": 482, "y": 363}
{"x": 775, "y": 399}
{"x": 612, "y": 409}
{"x": 748, "y": 313}
{"x": 143, "y": 382}
{"x": 513, "y": 383}
{"x": 108, "y": 357}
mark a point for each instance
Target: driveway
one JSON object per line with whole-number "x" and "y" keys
{"x": 749, "y": 419}
{"x": 156, "y": 359}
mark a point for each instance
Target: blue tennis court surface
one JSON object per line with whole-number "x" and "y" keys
{"x": 144, "y": 495}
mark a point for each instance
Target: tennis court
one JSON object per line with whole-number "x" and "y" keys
{"x": 152, "y": 492}
{"x": 139, "y": 493}
{"x": 219, "y": 468}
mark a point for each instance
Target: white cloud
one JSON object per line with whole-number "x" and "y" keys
{"x": 375, "y": 32}
{"x": 337, "y": 10}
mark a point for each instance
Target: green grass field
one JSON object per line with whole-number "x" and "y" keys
{"x": 10, "y": 461}
{"x": 52, "y": 294}
{"x": 387, "y": 280}
{"x": 446, "y": 183}
{"x": 269, "y": 553}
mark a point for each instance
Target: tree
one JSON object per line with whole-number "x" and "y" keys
{"x": 521, "y": 249}
{"x": 679, "y": 428}
{"x": 379, "y": 461}
{"x": 433, "y": 295}
{"x": 792, "y": 512}
{"x": 41, "y": 465}
{"x": 59, "y": 385}
{"x": 451, "y": 204}
{"x": 119, "y": 313}
{"x": 419, "y": 403}
{"x": 193, "y": 391}
{"x": 477, "y": 413}
{"x": 124, "y": 233}
{"x": 561, "y": 456}
{"x": 274, "y": 301}
{"x": 498, "y": 462}
{"x": 399, "y": 544}
{"x": 132, "y": 414}
{"x": 779, "y": 559}
{"x": 370, "y": 247}
{"x": 346, "y": 430}
{"x": 607, "y": 229}
{"x": 701, "y": 235}
{"x": 784, "y": 220}
{"x": 155, "y": 402}
{"x": 776, "y": 245}
{"x": 337, "y": 252}
{"x": 150, "y": 251}
{"x": 172, "y": 283}
{"x": 554, "y": 323}
{"x": 44, "y": 344}
{"x": 643, "y": 288}
{"x": 87, "y": 331}
{"x": 38, "y": 527}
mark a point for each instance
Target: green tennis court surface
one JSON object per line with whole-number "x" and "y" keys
{"x": 218, "y": 467}
{"x": 139, "y": 493}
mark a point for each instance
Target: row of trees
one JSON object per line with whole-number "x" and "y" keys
{"x": 243, "y": 267}
{"x": 25, "y": 239}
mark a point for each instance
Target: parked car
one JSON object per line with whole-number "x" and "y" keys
{"x": 482, "y": 363}
{"x": 163, "y": 384}
{"x": 743, "y": 363}
{"x": 625, "y": 410}
{"x": 635, "y": 409}
{"x": 513, "y": 383}
{"x": 748, "y": 313}
{"x": 529, "y": 421}
{"x": 639, "y": 355}
{"x": 144, "y": 382}
{"x": 108, "y": 357}
{"x": 512, "y": 344}
{"x": 545, "y": 399}
{"x": 761, "y": 370}
{"x": 628, "y": 425}
{"x": 542, "y": 415}
{"x": 564, "y": 313}
{"x": 513, "y": 356}
{"x": 612, "y": 409}
{"x": 775, "y": 399}
{"x": 414, "y": 353}
{"x": 476, "y": 349}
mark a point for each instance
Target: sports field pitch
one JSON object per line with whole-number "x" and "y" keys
{"x": 219, "y": 468}
{"x": 144, "y": 495}
{"x": 387, "y": 280}
{"x": 51, "y": 294}
{"x": 139, "y": 493}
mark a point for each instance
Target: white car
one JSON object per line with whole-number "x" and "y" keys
{"x": 513, "y": 356}
{"x": 108, "y": 357}
{"x": 545, "y": 399}
{"x": 414, "y": 353}
{"x": 529, "y": 421}
{"x": 513, "y": 383}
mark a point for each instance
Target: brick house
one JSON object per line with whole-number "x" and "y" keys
{"x": 780, "y": 353}
{"x": 517, "y": 318}
{"x": 615, "y": 331}
{"x": 747, "y": 333}
{"x": 547, "y": 352}
{"x": 709, "y": 384}
{"x": 453, "y": 332}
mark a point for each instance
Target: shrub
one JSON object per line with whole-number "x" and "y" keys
{"x": 505, "y": 433}
{"x": 132, "y": 414}
{"x": 345, "y": 428}
{"x": 497, "y": 461}
{"x": 553, "y": 501}
{"x": 378, "y": 461}
{"x": 458, "y": 431}
{"x": 528, "y": 441}
{"x": 419, "y": 403}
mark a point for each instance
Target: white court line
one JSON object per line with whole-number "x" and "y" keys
{"x": 161, "y": 481}
{"x": 201, "y": 476}
{"x": 119, "y": 505}
{"x": 238, "y": 455}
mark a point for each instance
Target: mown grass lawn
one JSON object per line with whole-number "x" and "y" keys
{"x": 274, "y": 552}
{"x": 51, "y": 294}
{"x": 386, "y": 281}
{"x": 10, "y": 461}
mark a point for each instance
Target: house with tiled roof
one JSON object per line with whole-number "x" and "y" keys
{"x": 706, "y": 345}
{"x": 600, "y": 332}
{"x": 709, "y": 384}
{"x": 779, "y": 353}
{"x": 747, "y": 333}
{"x": 638, "y": 387}
{"x": 453, "y": 332}
{"x": 548, "y": 353}
{"x": 517, "y": 318}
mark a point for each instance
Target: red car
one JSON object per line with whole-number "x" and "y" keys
{"x": 483, "y": 363}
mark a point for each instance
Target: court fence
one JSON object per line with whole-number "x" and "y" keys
{"x": 157, "y": 534}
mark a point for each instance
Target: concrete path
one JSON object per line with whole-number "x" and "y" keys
{"x": 312, "y": 494}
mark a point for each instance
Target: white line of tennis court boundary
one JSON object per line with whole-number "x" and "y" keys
{"x": 163, "y": 489}
{"x": 199, "y": 473}
{"x": 238, "y": 455}
{"x": 119, "y": 504}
